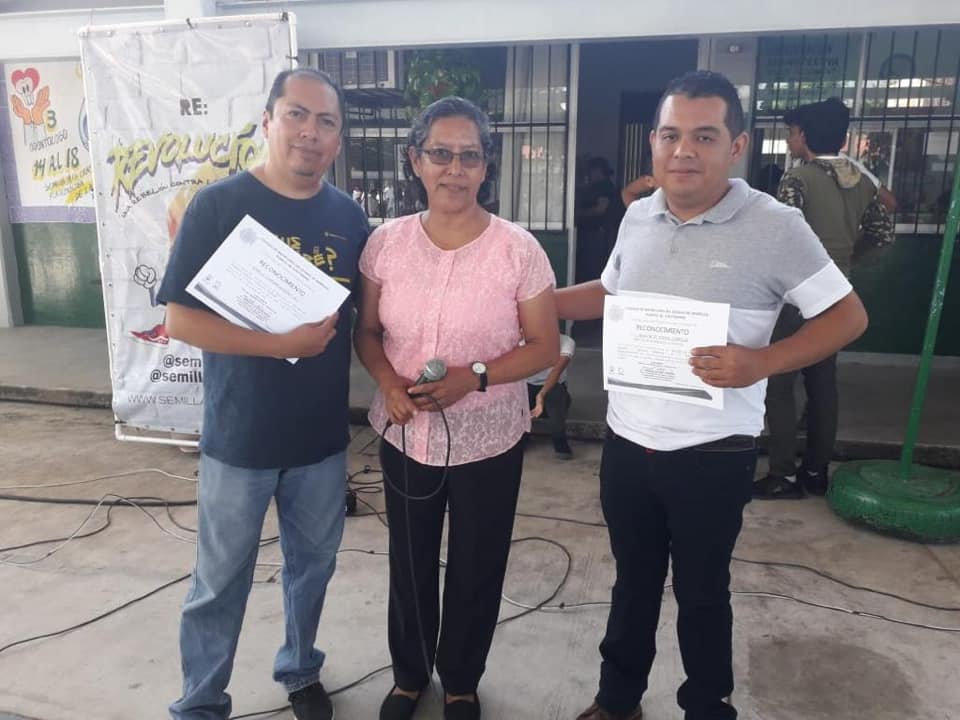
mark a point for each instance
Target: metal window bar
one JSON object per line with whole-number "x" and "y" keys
{"x": 843, "y": 71}
{"x": 918, "y": 79}
{"x": 803, "y": 54}
{"x": 914, "y": 192}
{"x": 514, "y": 113}
{"x": 363, "y": 162}
{"x": 877, "y": 101}
{"x": 862, "y": 79}
{"x": 549, "y": 97}
{"x": 860, "y": 91}
{"x": 950, "y": 151}
{"x": 905, "y": 135}
{"x": 756, "y": 144}
{"x": 902, "y": 136}
{"x": 381, "y": 212}
{"x": 823, "y": 67}
{"x": 778, "y": 83}
{"x": 776, "y": 106}
{"x": 566, "y": 132}
{"x": 530, "y": 103}
{"x": 377, "y": 125}
{"x": 520, "y": 123}
{"x": 897, "y": 137}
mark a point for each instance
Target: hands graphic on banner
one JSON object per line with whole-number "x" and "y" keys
{"x": 146, "y": 277}
{"x": 29, "y": 103}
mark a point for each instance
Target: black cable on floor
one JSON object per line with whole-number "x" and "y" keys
{"x": 99, "y": 617}
{"x": 773, "y": 563}
{"x": 159, "y": 502}
{"x": 560, "y": 585}
{"x": 831, "y": 578}
{"x": 152, "y": 502}
{"x": 35, "y": 543}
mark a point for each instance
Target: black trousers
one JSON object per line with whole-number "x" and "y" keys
{"x": 686, "y": 506}
{"x": 556, "y": 403}
{"x": 482, "y": 500}
{"x": 823, "y": 405}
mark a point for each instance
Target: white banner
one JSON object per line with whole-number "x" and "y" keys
{"x": 172, "y": 106}
{"x": 45, "y": 144}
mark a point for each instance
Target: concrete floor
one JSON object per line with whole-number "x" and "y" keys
{"x": 793, "y": 661}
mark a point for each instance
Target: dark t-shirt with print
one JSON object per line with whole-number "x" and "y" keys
{"x": 263, "y": 412}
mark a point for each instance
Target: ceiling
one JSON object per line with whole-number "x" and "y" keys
{"x": 11, "y": 6}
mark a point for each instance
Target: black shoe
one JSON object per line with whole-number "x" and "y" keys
{"x": 398, "y": 707}
{"x": 595, "y": 712}
{"x": 562, "y": 447}
{"x": 311, "y": 703}
{"x": 462, "y": 709}
{"x": 777, "y": 487}
{"x": 815, "y": 483}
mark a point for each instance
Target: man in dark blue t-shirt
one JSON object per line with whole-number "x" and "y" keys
{"x": 271, "y": 429}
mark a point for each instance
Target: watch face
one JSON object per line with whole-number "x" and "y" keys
{"x": 479, "y": 368}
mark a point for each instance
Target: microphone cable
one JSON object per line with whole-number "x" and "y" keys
{"x": 407, "y": 498}
{"x": 403, "y": 449}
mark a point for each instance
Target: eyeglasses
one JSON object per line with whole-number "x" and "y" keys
{"x": 469, "y": 159}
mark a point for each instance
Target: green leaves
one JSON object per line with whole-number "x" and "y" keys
{"x": 433, "y": 74}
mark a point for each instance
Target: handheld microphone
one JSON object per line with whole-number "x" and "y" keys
{"x": 434, "y": 370}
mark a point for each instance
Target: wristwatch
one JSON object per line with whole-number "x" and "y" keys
{"x": 480, "y": 370}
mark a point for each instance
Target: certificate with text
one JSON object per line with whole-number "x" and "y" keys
{"x": 647, "y": 340}
{"x": 257, "y": 281}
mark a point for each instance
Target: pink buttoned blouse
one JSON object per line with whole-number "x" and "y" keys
{"x": 460, "y": 306}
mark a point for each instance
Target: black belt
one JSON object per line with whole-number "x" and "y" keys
{"x": 731, "y": 443}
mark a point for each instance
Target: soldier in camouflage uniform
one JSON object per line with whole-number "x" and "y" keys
{"x": 843, "y": 206}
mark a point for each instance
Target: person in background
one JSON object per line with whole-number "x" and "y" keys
{"x": 550, "y": 399}
{"x": 641, "y": 187}
{"x": 767, "y": 178}
{"x": 598, "y": 213}
{"x": 844, "y": 208}
{"x": 884, "y": 195}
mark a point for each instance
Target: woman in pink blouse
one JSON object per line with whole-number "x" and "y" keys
{"x": 462, "y": 285}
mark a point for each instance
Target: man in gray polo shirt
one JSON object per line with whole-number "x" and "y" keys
{"x": 675, "y": 477}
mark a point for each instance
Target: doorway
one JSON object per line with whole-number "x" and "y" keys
{"x": 620, "y": 83}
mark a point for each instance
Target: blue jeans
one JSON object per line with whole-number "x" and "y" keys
{"x": 232, "y": 505}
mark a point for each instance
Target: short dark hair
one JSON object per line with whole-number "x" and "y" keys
{"x": 824, "y": 124}
{"x": 451, "y": 106}
{"x": 703, "y": 84}
{"x": 280, "y": 81}
{"x": 601, "y": 164}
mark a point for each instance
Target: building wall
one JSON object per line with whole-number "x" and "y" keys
{"x": 361, "y": 23}
{"x": 736, "y": 57}
{"x": 59, "y": 274}
{"x": 896, "y": 288}
{"x": 11, "y": 312}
